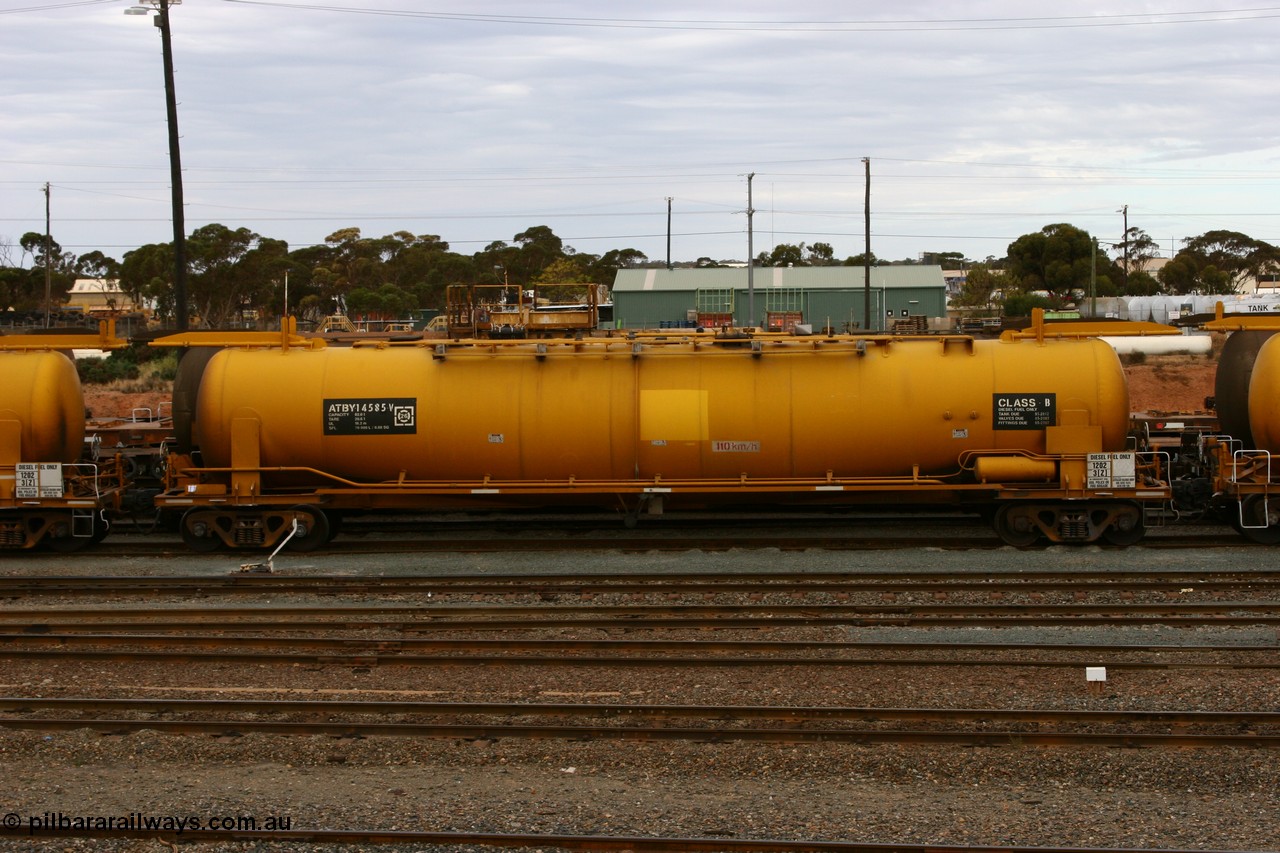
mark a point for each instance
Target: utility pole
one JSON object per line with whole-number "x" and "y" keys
{"x": 161, "y": 21}
{"x": 668, "y": 232}
{"x": 48, "y": 256}
{"x": 866, "y": 257}
{"x": 175, "y": 173}
{"x": 1124, "y": 276}
{"x": 1093, "y": 282}
{"x": 751, "y": 261}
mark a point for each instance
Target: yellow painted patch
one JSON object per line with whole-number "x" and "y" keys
{"x": 673, "y": 415}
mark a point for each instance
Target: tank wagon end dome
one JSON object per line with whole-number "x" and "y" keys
{"x": 41, "y": 391}
{"x": 1264, "y": 397}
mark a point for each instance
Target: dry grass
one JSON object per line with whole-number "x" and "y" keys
{"x": 147, "y": 383}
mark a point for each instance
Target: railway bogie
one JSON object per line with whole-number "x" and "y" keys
{"x": 301, "y": 528}
{"x": 1114, "y": 523}
{"x": 60, "y": 529}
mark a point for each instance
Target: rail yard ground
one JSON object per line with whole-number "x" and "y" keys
{"x": 1170, "y": 383}
{"x": 1013, "y": 794}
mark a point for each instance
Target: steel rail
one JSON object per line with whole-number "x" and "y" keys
{"x": 373, "y": 658}
{"x": 667, "y": 542}
{"x": 347, "y": 586}
{"x": 388, "y": 645}
{"x": 685, "y": 584}
{"x": 633, "y": 544}
{"x": 562, "y": 645}
{"x": 621, "y": 611}
{"x": 769, "y": 623}
{"x": 787, "y": 713}
{"x": 607, "y": 843}
{"x": 497, "y": 731}
{"x": 753, "y": 578}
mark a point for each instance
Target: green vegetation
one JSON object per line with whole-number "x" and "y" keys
{"x": 237, "y": 278}
{"x": 149, "y": 367}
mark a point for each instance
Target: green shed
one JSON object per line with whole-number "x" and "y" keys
{"x": 817, "y": 296}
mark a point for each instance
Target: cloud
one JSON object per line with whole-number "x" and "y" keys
{"x": 983, "y": 121}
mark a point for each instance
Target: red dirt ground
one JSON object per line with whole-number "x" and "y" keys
{"x": 114, "y": 404}
{"x": 1170, "y": 383}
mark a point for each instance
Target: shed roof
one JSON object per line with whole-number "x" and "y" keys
{"x": 96, "y": 285}
{"x": 806, "y": 278}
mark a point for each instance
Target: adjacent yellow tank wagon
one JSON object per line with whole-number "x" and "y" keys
{"x": 49, "y": 494}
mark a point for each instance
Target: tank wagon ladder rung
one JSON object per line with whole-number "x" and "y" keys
{"x": 1253, "y": 511}
{"x": 1247, "y": 464}
{"x": 1152, "y": 471}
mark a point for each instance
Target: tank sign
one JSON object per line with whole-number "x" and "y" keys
{"x": 377, "y": 415}
{"x": 1024, "y": 411}
{"x": 38, "y": 480}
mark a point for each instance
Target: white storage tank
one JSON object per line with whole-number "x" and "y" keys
{"x": 1140, "y": 308}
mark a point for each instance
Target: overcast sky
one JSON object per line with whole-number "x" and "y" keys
{"x": 983, "y": 121}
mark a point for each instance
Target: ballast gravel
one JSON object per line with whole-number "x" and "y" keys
{"x": 1156, "y": 798}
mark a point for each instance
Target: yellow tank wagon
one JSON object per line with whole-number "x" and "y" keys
{"x": 1031, "y": 431}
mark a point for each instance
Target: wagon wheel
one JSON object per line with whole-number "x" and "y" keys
{"x": 334, "y": 517}
{"x": 1016, "y": 526}
{"x": 58, "y": 537}
{"x": 313, "y": 529}
{"x": 1127, "y": 528}
{"x": 67, "y": 544}
{"x": 197, "y": 532}
{"x": 1258, "y": 510}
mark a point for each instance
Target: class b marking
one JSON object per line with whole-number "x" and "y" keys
{"x": 1024, "y": 411}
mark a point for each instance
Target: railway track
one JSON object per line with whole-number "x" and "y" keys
{"x": 652, "y": 638}
{"x": 974, "y": 727}
{"x": 996, "y": 584}
{"x": 663, "y": 541}
{"x": 367, "y": 659}
{"x": 482, "y": 617}
{"x": 364, "y": 651}
{"x": 492, "y": 647}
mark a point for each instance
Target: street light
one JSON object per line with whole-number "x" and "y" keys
{"x": 161, "y": 21}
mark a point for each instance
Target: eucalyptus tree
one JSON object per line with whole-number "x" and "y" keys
{"x": 1060, "y": 260}
{"x": 231, "y": 271}
{"x": 1218, "y": 262}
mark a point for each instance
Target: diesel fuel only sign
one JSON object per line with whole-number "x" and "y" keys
{"x": 1024, "y": 411}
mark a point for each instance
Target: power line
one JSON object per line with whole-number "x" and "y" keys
{"x": 48, "y": 6}
{"x": 822, "y": 26}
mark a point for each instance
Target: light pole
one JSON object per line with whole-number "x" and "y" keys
{"x": 161, "y": 21}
